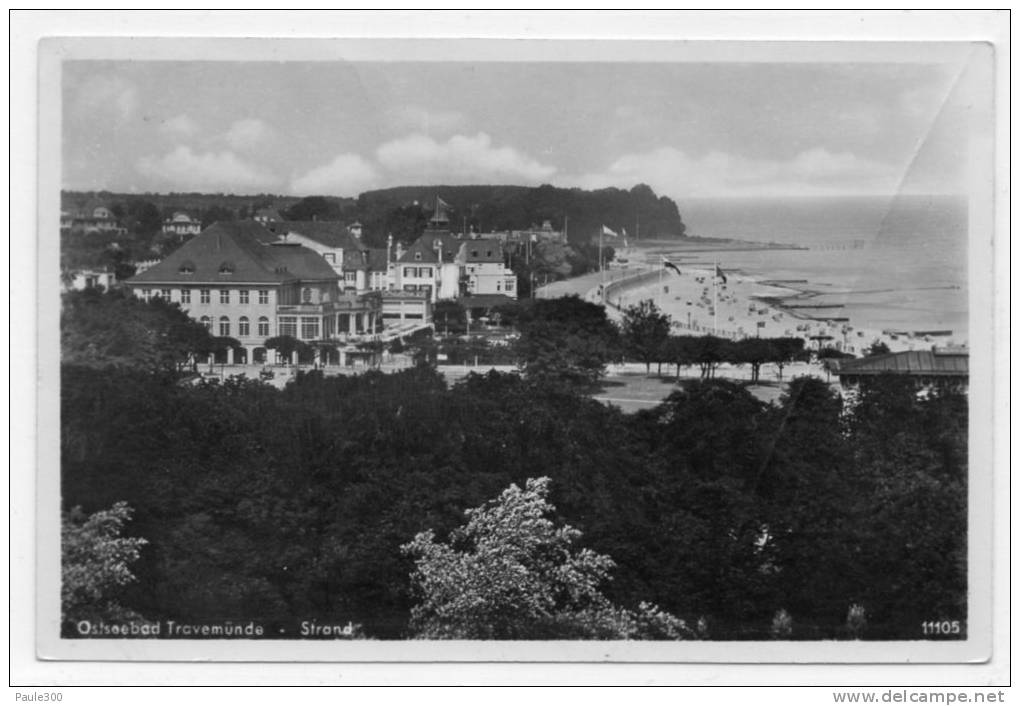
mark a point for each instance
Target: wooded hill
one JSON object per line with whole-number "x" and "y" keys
{"x": 489, "y": 208}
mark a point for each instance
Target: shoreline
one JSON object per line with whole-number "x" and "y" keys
{"x": 745, "y": 306}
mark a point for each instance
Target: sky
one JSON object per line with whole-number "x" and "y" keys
{"x": 340, "y": 127}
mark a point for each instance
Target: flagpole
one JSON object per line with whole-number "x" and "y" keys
{"x": 602, "y": 271}
{"x": 662, "y": 266}
{"x": 715, "y": 300}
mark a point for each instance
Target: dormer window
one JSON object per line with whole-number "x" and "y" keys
{"x": 226, "y": 268}
{"x": 186, "y": 268}
{"x": 417, "y": 256}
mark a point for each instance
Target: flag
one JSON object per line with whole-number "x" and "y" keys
{"x": 607, "y": 231}
{"x": 670, "y": 265}
{"x": 719, "y": 274}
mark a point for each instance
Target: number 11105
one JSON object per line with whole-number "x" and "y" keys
{"x": 941, "y": 627}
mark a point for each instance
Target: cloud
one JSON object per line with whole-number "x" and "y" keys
{"x": 110, "y": 97}
{"x": 347, "y": 175}
{"x": 812, "y": 172}
{"x": 418, "y": 119}
{"x": 248, "y": 133}
{"x": 460, "y": 159}
{"x": 185, "y": 170}
{"x": 180, "y": 126}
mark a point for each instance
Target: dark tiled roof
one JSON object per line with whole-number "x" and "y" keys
{"x": 483, "y": 251}
{"x": 236, "y": 251}
{"x": 426, "y": 246}
{"x": 929, "y": 363}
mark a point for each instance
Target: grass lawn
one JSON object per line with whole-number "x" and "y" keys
{"x": 635, "y": 391}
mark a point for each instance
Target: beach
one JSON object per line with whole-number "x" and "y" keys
{"x": 732, "y": 306}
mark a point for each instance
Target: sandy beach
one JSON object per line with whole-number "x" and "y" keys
{"x": 699, "y": 303}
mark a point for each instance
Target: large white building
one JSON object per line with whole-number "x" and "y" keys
{"x": 242, "y": 281}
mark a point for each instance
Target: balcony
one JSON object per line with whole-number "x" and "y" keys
{"x": 316, "y": 309}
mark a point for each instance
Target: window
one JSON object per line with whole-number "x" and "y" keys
{"x": 263, "y": 296}
{"x": 417, "y": 256}
{"x": 263, "y": 327}
{"x": 499, "y": 286}
{"x": 206, "y": 321}
{"x": 330, "y": 257}
{"x": 187, "y": 268}
{"x": 203, "y": 296}
{"x": 224, "y": 326}
{"x": 243, "y": 296}
{"x": 426, "y": 272}
{"x": 288, "y": 326}
{"x": 146, "y": 294}
{"x": 407, "y": 271}
{"x": 306, "y": 296}
{"x": 243, "y": 328}
{"x": 185, "y": 296}
{"x": 224, "y": 296}
{"x": 309, "y": 328}
{"x": 165, "y": 294}
{"x": 226, "y": 268}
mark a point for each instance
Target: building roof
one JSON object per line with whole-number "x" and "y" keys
{"x": 483, "y": 250}
{"x": 268, "y": 213}
{"x": 332, "y": 234}
{"x": 426, "y": 245}
{"x": 937, "y": 362}
{"x": 237, "y": 251}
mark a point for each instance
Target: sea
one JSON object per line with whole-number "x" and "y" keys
{"x": 896, "y": 263}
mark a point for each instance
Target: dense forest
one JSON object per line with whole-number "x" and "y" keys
{"x": 494, "y": 208}
{"x": 830, "y": 517}
{"x": 402, "y": 212}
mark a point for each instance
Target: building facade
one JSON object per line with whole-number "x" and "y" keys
{"x": 241, "y": 281}
{"x": 180, "y": 223}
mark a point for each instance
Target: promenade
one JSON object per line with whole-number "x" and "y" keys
{"x": 700, "y": 304}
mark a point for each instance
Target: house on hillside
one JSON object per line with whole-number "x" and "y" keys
{"x": 267, "y": 215}
{"x": 485, "y": 270}
{"x": 93, "y": 218}
{"x": 180, "y": 223}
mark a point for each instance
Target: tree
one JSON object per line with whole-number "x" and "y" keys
{"x": 566, "y": 340}
{"x": 787, "y": 349}
{"x": 313, "y": 208}
{"x": 752, "y": 351}
{"x": 95, "y": 564}
{"x": 645, "y": 331}
{"x": 708, "y": 352}
{"x": 216, "y": 213}
{"x": 877, "y": 347}
{"x": 118, "y": 330}
{"x": 451, "y": 315}
{"x": 286, "y": 346}
{"x": 511, "y": 573}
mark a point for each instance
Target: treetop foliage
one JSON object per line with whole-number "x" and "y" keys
{"x": 511, "y": 573}
{"x": 95, "y": 564}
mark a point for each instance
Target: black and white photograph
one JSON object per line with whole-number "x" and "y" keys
{"x": 516, "y": 349}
